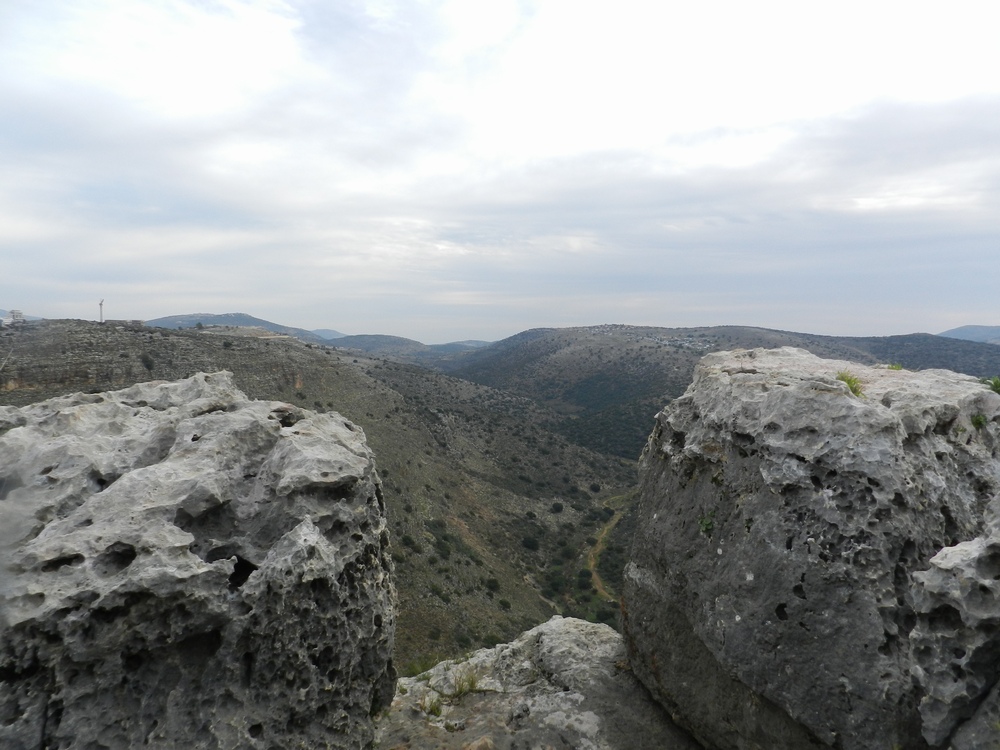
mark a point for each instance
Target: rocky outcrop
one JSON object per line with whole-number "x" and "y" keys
{"x": 815, "y": 568}
{"x": 188, "y": 568}
{"x": 563, "y": 684}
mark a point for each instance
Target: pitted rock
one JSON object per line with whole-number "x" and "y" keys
{"x": 184, "y": 567}
{"x": 813, "y": 568}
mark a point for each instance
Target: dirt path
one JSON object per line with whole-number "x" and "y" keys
{"x": 594, "y": 554}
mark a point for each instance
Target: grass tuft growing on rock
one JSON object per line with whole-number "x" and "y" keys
{"x": 852, "y": 382}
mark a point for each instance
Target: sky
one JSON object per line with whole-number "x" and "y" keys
{"x": 448, "y": 170}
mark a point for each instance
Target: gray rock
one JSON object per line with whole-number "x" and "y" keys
{"x": 563, "y": 684}
{"x": 188, "y": 568}
{"x": 817, "y": 569}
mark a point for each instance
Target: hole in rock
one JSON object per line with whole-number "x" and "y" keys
{"x": 46, "y": 470}
{"x": 959, "y": 653}
{"x": 115, "y": 558}
{"x": 781, "y": 611}
{"x": 99, "y": 482}
{"x": 378, "y": 621}
{"x": 241, "y": 572}
{"x": 8, "y": 485}
{"x": 132, "y": 662}
{"x": 197, "y": 649}
{"x": 988, "y": 566}
{"x": 255, "y": 730}
{"x": 195, "y": 438}
{"x": 944, "y": 617}
{"x": 799, "y": 591}
{"x": 331, "y": 528}
{"x": 62, "y": 562}
{"x": 221, "y": 553}
{"x": 285, "y": 417}
{"x": 246, "y": 662}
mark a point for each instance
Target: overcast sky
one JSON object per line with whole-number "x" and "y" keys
{"x": 470, "y": 169}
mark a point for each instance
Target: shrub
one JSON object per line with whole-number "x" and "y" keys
{"x": 979, "y": 421}
{"x": 556, "y": 508}
{"x": 851, "y": 381}
{"x": 993, "y": 383}
{"x": 894, "y": 366}
{"x": 530, "y": 542}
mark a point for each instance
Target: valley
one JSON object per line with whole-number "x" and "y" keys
{"x": 508, "y": 469}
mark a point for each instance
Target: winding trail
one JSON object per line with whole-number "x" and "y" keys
{"x": 594, "y": 554}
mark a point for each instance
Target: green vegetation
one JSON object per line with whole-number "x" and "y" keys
{"x": 706, "y": 524}
{"x": 466, "y": 681}
{"x": 851, "y": 381}
{"x": 526, "y": 439}
{"x": 430, "y": 704}
{"x": 894, "y": 366}
{"x": 978, "y": 421}
{"x": 993, "y": 383}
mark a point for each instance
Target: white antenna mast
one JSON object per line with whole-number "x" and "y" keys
{"x": 101, "y": 304}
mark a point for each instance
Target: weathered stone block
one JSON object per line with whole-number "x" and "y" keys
{"x": 814, "y": 568}
{"x": 184, "y": 567}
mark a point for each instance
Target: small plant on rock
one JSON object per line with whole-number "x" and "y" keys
{"x": 851, "y": 381}
{"x": 978, "y": 421}
{"x": 993, "y": 383}
{"x": 430, "y": 704}
{"x": 466, "y": 681}
{"x": 894, "y": 366}
{"x": 706, "y": 524}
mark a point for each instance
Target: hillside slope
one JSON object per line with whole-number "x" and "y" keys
{"x": 607, "y": 382}
{"x": 490, "y": 510}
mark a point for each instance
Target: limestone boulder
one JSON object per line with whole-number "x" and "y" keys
{"x": 184, "y": 567}
{"x": 817, "y": 568}
{"x": 563, "y": 684}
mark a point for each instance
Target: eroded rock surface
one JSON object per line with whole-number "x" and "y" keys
{"x": 818, "y": 569}
{"x": 184, "y": 567}
{"x": 563, "y": 684}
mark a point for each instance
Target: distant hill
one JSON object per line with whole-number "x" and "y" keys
{"x": 328, "y": 333}
{"x": 982, "y": 334}
{"x": 408, "y": 350}
{"x": 608, "y": 381}
{"x": 240, "y": 320}
{"x": 503, "y": 464}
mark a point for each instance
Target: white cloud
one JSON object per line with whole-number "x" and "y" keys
{"x": 452, "y": 170}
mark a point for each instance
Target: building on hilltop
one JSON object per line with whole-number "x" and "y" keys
{"x": 13, "y": 318}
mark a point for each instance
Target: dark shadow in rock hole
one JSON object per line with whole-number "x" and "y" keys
{"x": 115, "y": 558}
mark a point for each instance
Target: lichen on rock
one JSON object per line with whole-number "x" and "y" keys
{"x": 184, "y": 567}
{"x": 813, "y": 567}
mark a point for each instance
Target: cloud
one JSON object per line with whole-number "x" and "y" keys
{"x": 422, "y": 170}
